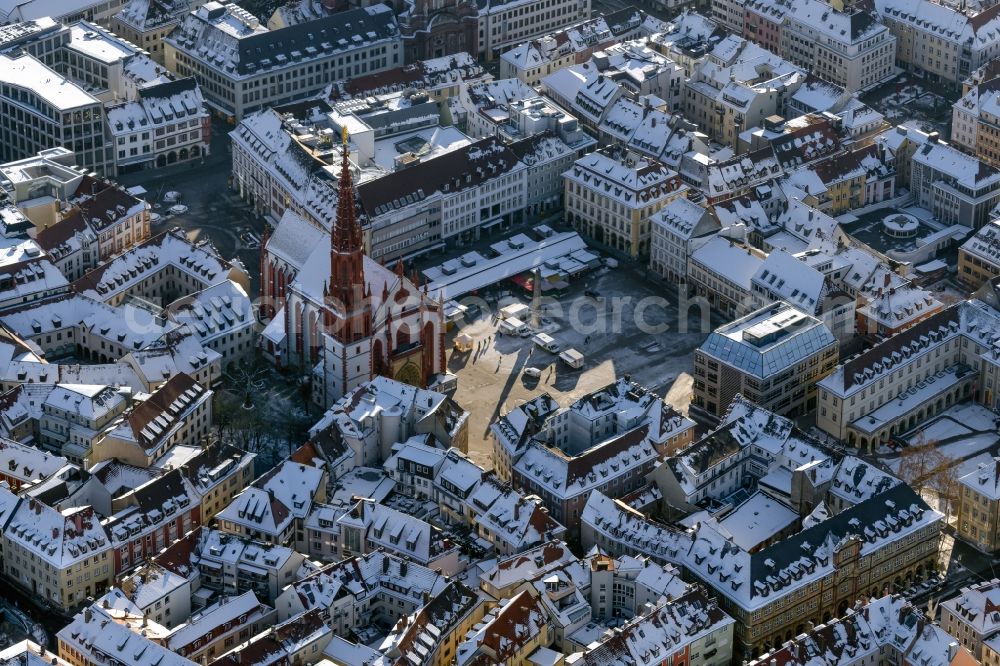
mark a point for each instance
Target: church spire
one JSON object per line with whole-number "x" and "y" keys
{"x": 346, "y": 288}
{"x": 346, "y": 234}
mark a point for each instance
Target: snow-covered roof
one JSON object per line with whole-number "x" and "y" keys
{"x": 630, "y": 179}
{"x": 856, "y": 480}
{"x": 985, "y": 244}
{"x": 61, "y": 539}
{"x": 866, "y": 632}
{"x": 757, "y": 520}
{"x": 216, "y": 311}
{"x": 171, "y": 250}
{"x": 96, "y": 632}
{"x": 721, "y": 256}
{"x": 670, "y": 628}
{"x": 947, "y": 23}
{"x": 131, "y": 327}
{"x": 504, "y": 631}
{"x": 30, "y": 74}
{"x": 157, "y": 105}
{"x": 754, "y": 580}
{"x": 512, "y": 518}
{"x": 786, "y": 278}
{"x": 229, "y": 38}
{"x": 145, "y": 15}
{"x": 965, "y": 170}
{"x": 230, "y": 612}
{"x": 26, "y": 463}
{"x": 985, "y": 479}
{"x": 900, "y": 306}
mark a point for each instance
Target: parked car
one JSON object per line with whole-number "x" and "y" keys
{"x": 171, "y": 197}
{"x": 177, "y": 209}
{"x": 532, "y": 372}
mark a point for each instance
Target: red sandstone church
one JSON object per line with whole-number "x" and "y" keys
{"x": 340, "y": 315}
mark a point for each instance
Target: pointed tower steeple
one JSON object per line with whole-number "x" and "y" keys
{"x": 346, "y": 288}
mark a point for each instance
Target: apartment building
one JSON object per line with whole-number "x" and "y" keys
{"x": 730, "y": 14}
{"x": 957, "y": 188}
{"x": 845, "y": 181}
{"x": 594, "y": 443}
{"x": 145, "y": 23}
{"x": 495, "y": 640}
{"x": 773, "y": 357}
{"x": 969, "y": 616}
{"x": 218, "y": 474}
{"x": 295, "y": 641}
{"x": 448, "y": 616}
{"x": 165, "y": 123}
{"x": 178, "y": 412}
{"x": 448, "y": 200}
{"x": 675, "y": 231}
{"x": 884, "y": 542}
{"x": 160, "y": 270}
{"x": 152, "y": 516}
{"x": 218, "y": 628}
{"x": 29, "y": 274}
{"x": 942, "y": 42}
{"x": 847, "y": 46}
{"x": 534, "y": 59}
{"x": 117, "y": 220}
{"x": 76, "y": 416}
{"x": 466, "y": 494}
{"x": 275, "y": 506}
{"x": 506, "y": 23}
{"x": 979, "y": 508}
{"x": 753, "y": 447}
{"x": 721, "y": 271}
{"x": 691, "y": 627}
{"x": 391, "y": 588}
{"x": 56, "y": 115}
{"x": 785, "y": 277}
{"x": 687, "y": 39}
{"x": 369, "y": 420}
{"x": 230, "y": 565}
{"x": 97, "y": 635}
{"x": 221, "y": 317}
{"x": 965, "y": 113}
{"x": 979, "y": 257}
{"x": 22, "y": 466}
{"x": 244, "y": 67}
{"x": 736, "y": 87}
{"x": 612, "y": 194}
{"x": 61, "y": 557}
{"x": 369, "y": 526}
{"x": 947, "y": 357}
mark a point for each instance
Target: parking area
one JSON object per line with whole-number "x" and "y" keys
{"x": 209, "y": 209}
{"x": 631, "y": 328}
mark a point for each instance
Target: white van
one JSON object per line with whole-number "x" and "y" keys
{"x": 572, "y": 358}
{"x": 546, "y": 342}
{"x": 513, "y": 326}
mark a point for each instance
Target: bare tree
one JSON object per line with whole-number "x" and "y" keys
{"x": 945, "y": 483}
{"x": 919, "y": 462}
